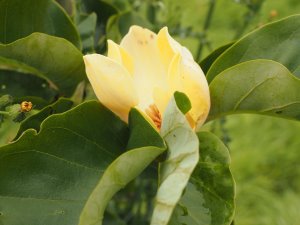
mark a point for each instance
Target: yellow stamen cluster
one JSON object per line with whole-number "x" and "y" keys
{"x": 154, "y": 114}
{"x": 26, "y": 106}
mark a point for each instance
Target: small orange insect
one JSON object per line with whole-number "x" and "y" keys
{"x": 26, "y": 106}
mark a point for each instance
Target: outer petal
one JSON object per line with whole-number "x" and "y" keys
{"x": 112, "y": 84}
{"x": 186, "y": 76}
{"x": 169, "y": 47}
{"x": 149, "y": 72}
{"x": 196, "y": 87}
{"x": 120, "y": 55}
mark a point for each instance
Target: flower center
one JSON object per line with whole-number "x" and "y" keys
{"x": 154, "y": 114}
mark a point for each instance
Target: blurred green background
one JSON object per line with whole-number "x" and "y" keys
{"x": 265, "y": 151}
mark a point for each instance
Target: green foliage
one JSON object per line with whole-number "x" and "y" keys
{"x": 64, "y": 165}
{"x": 141, "y": 152}
{"x": 37, "y": 54}
{"x": 47, "y": 177}
{"x": 259, "y": 86}
{"x": 21, "y": 18}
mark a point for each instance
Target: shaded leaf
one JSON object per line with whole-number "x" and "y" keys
{"x": 86, "y": 27}
{"x": 258, "y": 86}
{"x": 51, "y": 58}
{"x": 34, "y": 121}
{"x": 47, "y": 177}
{"x": 145, "y": 144}
{"x": 19, "y": 18}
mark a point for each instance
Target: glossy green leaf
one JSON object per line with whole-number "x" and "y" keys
{"x": 52, "y": 58}
{"x": 145, "y": 144}
{"x": 19, "y": 18}
{"x": 175, "y": 171}
{"x": 34, "y": 121}
{"x": 47, "y": 177}
{"x": 182, "y": 101}
{"x": 209, "y": 196}
{"x": 277, "y": 41}
{"x": 206, "y": 63}
{"x": 258, "y": 86}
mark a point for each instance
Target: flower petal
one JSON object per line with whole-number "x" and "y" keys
{"x": 149, "y": 72}
{"x": 186, "y": 76}
{"x": 120, "y": 55}
{"x": 169, "y": 47}
{"x": 112, "y": 84}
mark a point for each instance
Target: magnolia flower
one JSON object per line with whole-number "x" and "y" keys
{"x": 143, "y": 72}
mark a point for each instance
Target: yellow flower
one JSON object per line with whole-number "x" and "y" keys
{"x": 144, "y": 71}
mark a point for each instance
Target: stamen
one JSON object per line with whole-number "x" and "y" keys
{"x": 154, "y": 114}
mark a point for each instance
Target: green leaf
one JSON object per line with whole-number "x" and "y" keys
{"x": 34, "y": 121}
{"x": 68, "y": 5}
{"x": 86, "y": 26}
{"x": 277, "y": 41}
{"x": 258, "y": 86}
{"x": 19, "y": 18}
{"x": 206, "y": 63}
{"x": 102, "y": 8}
{"x": 145, "y": 144}
{"x": 209, "y": 196}
{"x": 51, "y": 58}
{"x": 182, "y": 102}
{"x": 47, "y": 177}
{"x": 175, "y": 171}
{"x": 8, "y": 130}
{"x": 20, "y": 84}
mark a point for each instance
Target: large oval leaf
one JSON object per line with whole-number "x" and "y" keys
{"x": 52, "y": 58}
{"x": 19, "y": 18}
{"x": 146, "y": 145}
{"x": 209, "y": 196}
{"x": 258, "y": 86}
{"x": 46, "y": 178}
{"x": 277, "y": 41}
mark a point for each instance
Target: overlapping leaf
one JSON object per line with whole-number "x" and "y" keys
{"x": 258, "y": 86}
{"x": 19, "y": 18}
{"x": 145, "y": 144}
{"x": 53, "y": 59}
{"x": 46, "y": 178}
